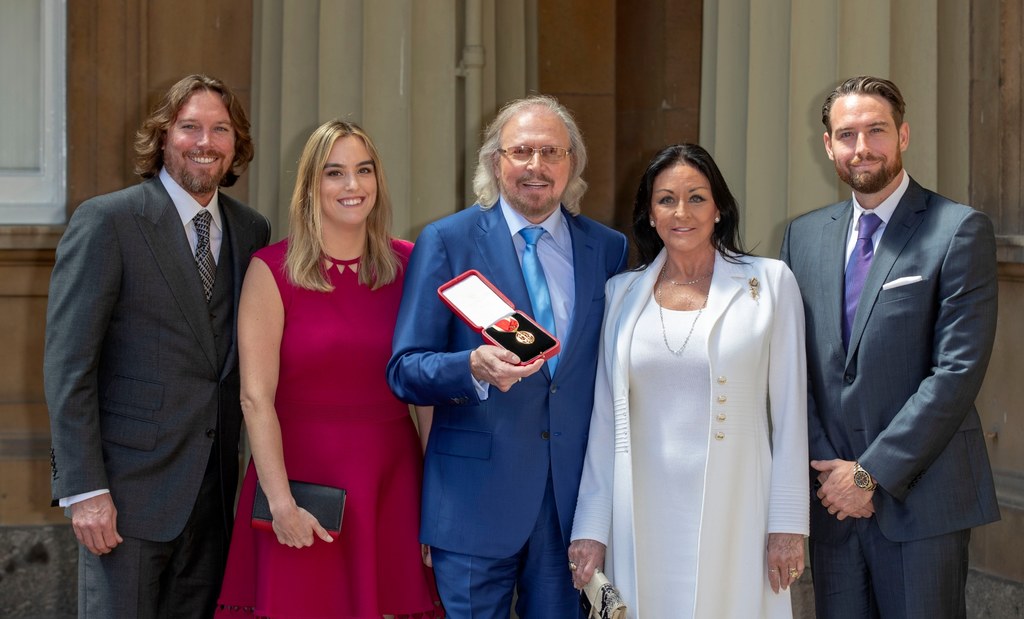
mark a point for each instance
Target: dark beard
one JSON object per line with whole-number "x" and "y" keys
{"x": 871, "y": 182}
{"x": 199, "y": 184}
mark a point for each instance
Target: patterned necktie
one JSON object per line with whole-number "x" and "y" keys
{"x": 537, "y": 285}
{"x": 204, "y": 257}
{"x": 857, "y": 271}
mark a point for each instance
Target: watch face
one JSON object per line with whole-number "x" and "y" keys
{"x": 862, "y": 479}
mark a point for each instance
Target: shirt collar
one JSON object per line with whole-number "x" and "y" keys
{"x": 888, "y": 206}
{"x": 186, "y": 205}
{"x": 555, "y": 223}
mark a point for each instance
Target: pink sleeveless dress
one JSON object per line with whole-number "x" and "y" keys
{"x": 341, "y": 426}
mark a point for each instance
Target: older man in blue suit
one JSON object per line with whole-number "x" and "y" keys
{"x": 899, "y": 286}
{"x": 506, "y": 447}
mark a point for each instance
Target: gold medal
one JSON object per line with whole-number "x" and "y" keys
{"x": 525, "y": 337}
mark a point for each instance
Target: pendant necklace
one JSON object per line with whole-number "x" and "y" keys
{"x": 661, "y": 312}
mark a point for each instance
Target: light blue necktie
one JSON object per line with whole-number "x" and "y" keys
{"x": 537, "y": 285}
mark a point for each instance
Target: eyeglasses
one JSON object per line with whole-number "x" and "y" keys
{"x": 523, "y": 154}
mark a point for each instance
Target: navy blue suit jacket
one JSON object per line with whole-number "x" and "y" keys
{"x": 901, "y": 400}
{"x": 487, "y": 461}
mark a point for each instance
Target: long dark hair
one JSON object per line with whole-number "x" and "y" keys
{"x": 725, "y": 238}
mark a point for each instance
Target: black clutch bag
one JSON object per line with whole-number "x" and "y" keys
{"x": 325, "y": 503}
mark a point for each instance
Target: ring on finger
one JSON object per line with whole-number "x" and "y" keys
{"x": 794, "y": 573}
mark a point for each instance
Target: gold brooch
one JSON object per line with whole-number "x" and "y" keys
{"x": 755, "y": 292}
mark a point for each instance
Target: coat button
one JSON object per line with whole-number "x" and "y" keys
{"x": 721, "y": 417}
{"x": 721, "y": 380}
{"x": 554, "y": 389}
{"x": 210, "y": 433}
{"x": 545, "y": 435}
{"x": 719, "y": 436}
{"x": 848, "y": 378}
{"x": 722, "y": 399}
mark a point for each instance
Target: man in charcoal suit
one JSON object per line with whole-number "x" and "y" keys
{"x": 899, "y": 286}
{"x": 141, "y": 363}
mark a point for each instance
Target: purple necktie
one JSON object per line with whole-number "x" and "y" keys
{"x": 857, "y": 271}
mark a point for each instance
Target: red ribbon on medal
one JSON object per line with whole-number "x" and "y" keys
{"x": 507, "y": 324}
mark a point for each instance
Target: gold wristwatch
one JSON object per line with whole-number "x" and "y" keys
{"x": 862, "y": 478}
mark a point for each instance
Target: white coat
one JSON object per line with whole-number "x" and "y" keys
{"x": 756, "y": 354}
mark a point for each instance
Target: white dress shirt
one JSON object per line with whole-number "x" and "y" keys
{"x": 884, "y": 212}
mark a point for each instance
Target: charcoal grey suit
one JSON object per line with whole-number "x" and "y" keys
{"x": 901, "y": 399}
{"x": 141, "y": 373}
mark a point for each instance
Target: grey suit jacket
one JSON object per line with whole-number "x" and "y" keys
{"x": 135, "y": 392}
{"x": 901, "y": 401}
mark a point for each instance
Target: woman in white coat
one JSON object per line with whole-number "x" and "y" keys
{"x": 694, "y": 498}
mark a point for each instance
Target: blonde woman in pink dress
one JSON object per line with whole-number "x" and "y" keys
{"x": 315, "y": 324}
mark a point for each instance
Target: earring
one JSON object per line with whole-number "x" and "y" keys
{"x": 652, "y": 223}
{"x": 717, "y": 219}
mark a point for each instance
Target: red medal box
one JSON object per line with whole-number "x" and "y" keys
{"x": 484, "y": 308}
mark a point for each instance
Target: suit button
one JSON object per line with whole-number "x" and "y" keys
{"x": 848, "y": 378}
{"x": 721, "y": 417}
{"x": 722, "y": 399}
{"x": 210, "y": 433}
{"x": 545, "y": 435}
{"x": 554, "y": 389}
{"x": 721, "y": 380}
{"x": 719, "y": 436}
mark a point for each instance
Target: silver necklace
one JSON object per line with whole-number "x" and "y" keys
{"x": 661, "y": 315}
{"x": 689, "y": 283}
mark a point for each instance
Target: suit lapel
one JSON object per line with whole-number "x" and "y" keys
{"x": 726, "y": 284}
{"x": 832, "y": 278}
{"x": 585, "y": 280}
{"x": 239, "y": 233}
{"x": 637, "y": 293}
{"x": 161, "y": 227}
{"x": 902, "y": 225}
{"x": 494, "y": 244}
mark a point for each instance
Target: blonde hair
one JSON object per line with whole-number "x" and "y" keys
{"x": 485, "y": 182}
{"x": 304, "y": 261}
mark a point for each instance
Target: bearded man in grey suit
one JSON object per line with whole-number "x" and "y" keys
{"x": 899, "y": 285}
{"x": 141, "y": 363}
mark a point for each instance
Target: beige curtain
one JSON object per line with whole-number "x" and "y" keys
{"x": 399, "y": 68}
